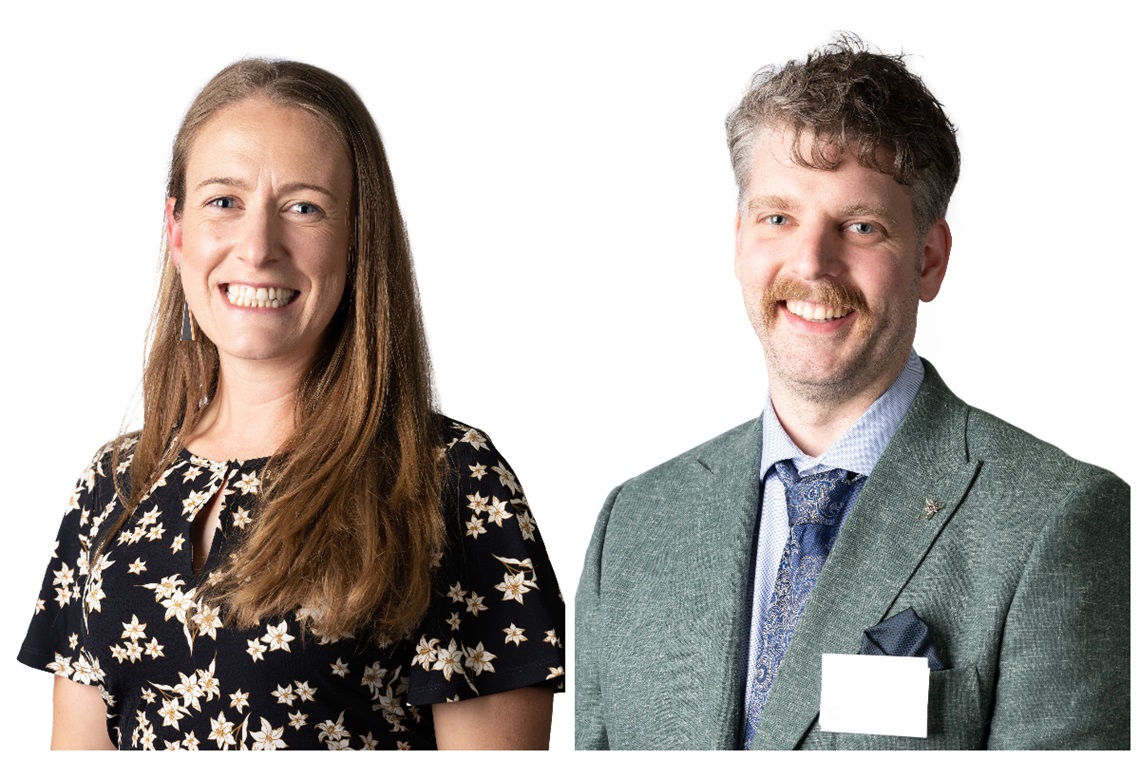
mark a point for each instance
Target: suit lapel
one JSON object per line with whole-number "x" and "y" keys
{"x": 717, "y": 583}
{"x": 882, "y": 543}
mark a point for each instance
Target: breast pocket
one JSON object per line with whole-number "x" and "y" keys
{"x": 954, "y": 719}
{"x": 955, "y": 709}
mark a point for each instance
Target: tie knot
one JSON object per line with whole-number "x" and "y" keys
{"x": 816, "y": 498}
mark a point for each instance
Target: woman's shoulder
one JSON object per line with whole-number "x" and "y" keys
{"x": 115, "y": 453}
{"x": 467, "y": 447}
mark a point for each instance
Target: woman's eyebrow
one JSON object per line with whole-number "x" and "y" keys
{"x": 290, "y": 187}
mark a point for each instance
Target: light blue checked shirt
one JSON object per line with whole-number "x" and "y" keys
{"x": 857, "y": 450}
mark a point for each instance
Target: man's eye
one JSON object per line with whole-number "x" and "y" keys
{"x": 305, "y": 208}
{"x": 221, "y": 203}
{"x": 775, "y": 219}
{"x": 863, "y": 228}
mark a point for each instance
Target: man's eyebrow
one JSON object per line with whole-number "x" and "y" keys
{"x": 864, "y": 209}
{"x": 290, "y": 187}
{"x": 776, "y": 202}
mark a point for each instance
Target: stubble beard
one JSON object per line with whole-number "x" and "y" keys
{"x": 791, "y": 367}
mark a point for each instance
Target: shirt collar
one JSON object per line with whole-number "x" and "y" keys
{"x": 860, "y": 447}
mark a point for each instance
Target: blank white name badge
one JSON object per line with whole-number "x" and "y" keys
{"x": 874, "y": 694}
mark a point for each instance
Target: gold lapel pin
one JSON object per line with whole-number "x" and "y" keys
{"x": 932, "y": 508}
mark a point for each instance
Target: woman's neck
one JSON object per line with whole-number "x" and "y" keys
{"x": 251, "y": 415}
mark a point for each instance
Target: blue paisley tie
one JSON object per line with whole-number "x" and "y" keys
{"x": 816, "y": 507}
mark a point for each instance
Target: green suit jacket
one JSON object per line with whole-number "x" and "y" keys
{"x": 1022, "y": 577}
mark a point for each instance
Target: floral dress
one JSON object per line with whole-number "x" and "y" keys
{"x": 174, "y": 676}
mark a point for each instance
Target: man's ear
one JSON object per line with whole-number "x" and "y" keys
{"x": 173, "y": 232}
{"x": 736, "y": 238}
{"x": 935, "y": 256}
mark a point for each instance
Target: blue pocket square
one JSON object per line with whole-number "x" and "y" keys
{"x": 902, "y": 635}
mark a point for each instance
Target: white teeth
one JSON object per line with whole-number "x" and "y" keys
{"x": 814, "y": 312}
{"x": 259, "y": 298}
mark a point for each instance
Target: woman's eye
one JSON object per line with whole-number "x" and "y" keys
{"x": 305, "y": 208}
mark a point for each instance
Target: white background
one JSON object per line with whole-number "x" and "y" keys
{"x": 565, "y": 182}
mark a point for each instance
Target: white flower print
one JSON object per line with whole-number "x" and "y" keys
{"x": 456, "y": 593}
{"x": 239, "y": 700}
{"x": 475, "y": 438}
{"x": 514, "y": 586}
{"x": 514, "y": 635}
{"x": 194, "y": 502}
{"x": 256, "y": 649}
{"x": 268, "y": 738}
{"x": 241, "y": 518}
{"x": 526, "y": 525}
{"x": 134, "y": 629}
{"x": 222, "y": 731}
{"x": 478, "y": 660}
{"x": 138, "y": 567}
{"x": 506, "y": 478}
{"x": 284, "y": 694}
{"x": 171, "y": 712}
{"x": 475, "y": 604}
{"x": 425, "y": 653}
{"x": 339, "y": 668}
{"x": 332, "y": 731}
{"x": 154, "y": 649}
{"x": 249, "y": 483}
{"x": 449, "y": 660}
{"x": 477, "y": 470}
{"x": 475, "y": 527}
{"x": 277, "y": 637}
{"x": 209, "y": 620}
{"x": 298, "y": 720}
{"x": 305, "y": 692}
{"x": 497, "y": 512}
{"x": 477, "y": 503}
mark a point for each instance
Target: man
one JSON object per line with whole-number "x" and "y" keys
{"x": 868, "y": 510}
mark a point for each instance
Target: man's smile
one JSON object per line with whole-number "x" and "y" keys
{"x": 816, "y": 312}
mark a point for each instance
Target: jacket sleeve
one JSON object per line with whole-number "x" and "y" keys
{"x": 589, "y": 627}
{"x": 1063, "y": 679}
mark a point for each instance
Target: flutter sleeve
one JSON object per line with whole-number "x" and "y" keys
{"x": 497, "y": 618}
{"x": 57, "y": 636}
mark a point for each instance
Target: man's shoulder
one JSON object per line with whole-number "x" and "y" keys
{"x": 728, "y": 452}
{"x": 1000, "y": 446}
{"x": 1004, "y": 446}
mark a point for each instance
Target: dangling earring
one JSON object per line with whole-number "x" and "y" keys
{"x": 188, "y": 332}
{"x": 187, "y": 323}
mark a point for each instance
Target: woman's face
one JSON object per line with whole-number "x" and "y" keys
{"x": 262, "y": 240}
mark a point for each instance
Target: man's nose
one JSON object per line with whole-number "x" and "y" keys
{"x": 818, "y": 253}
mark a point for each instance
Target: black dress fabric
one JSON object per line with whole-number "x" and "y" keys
{"x": 175, "y": 677}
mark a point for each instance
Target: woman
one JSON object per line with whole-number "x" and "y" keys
{"x": 296, "y": 550}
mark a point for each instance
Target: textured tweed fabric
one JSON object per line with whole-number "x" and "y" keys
{"x": 1021, "y": 574}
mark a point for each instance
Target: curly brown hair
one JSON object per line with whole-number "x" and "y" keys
{"x": 849, "y": 96}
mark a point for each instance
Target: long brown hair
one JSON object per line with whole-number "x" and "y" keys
{"x": 349, "y": 524}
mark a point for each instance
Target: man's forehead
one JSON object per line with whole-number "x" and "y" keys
{"x": 808, "y": 147}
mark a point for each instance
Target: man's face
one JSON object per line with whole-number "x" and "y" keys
{"x": 832, "y": 272}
